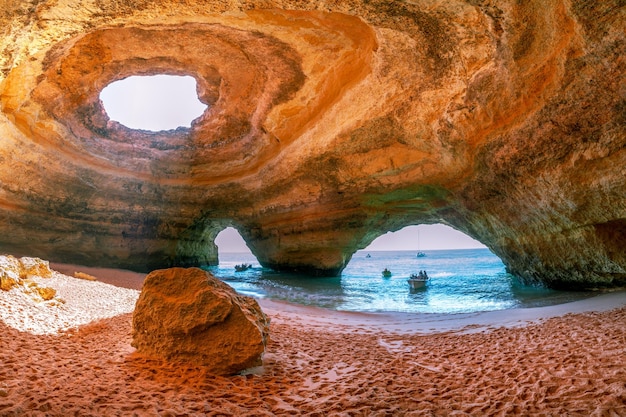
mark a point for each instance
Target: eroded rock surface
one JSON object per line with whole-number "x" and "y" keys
{"x": 18, "y": 273}
{"x": 187, "y": 315}
{"x": 328, "y": 124}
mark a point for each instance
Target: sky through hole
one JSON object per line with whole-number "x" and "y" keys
{"x": 155, "y": 103}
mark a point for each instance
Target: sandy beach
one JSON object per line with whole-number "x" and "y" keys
{"x": 566, "y": 360}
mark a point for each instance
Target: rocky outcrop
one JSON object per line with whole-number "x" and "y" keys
{"x": 11, "y": 273}
{"x": 16, "y": 272}
{"x": 187, "y": 315}
{"x": 328, "y": 124}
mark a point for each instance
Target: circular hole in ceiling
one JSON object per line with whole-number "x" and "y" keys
{"x": 155, "y": 103}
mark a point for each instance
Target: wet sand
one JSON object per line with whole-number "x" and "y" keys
{"x": 566, "y": 360}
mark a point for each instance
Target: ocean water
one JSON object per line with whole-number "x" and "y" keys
{"x": 461, "y": 281}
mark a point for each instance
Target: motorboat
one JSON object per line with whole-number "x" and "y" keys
{"x": 242, "y": 267}
{"x": 418, "y": 281}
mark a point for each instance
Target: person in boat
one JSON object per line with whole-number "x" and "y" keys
{"x": 422, "y": 276}
{"x": 242, "y": 267}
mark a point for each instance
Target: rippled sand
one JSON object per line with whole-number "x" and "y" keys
{"x": 323, "y": 363}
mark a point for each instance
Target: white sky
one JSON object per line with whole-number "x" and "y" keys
{"x": 158, "y": 102}
{"x": 431, "y": 237}
{"x": 163, "y": 102}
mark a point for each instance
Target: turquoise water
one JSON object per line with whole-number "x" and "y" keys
{"x": 461, "y": 281}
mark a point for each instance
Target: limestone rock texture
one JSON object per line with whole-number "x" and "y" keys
{"x": 186, "y": 315}
{"x": 18, "y": 273}
{"x": 13, "y": 270}
{"x": 328, "y": 124}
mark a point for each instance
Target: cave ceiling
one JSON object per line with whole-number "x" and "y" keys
{"x": 327, "y": 125}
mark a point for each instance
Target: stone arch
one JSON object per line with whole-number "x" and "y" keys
{"x": 195, "y": 246}
{"x": 229, "y": 240}
{"x": 325, "y": 129}
{"x": 416, "y": 238}
{"x": 198, "y": 245}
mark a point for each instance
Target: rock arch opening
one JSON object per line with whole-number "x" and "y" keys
{"x": 229, "y": 241}
{"x": 424, "y": 237}
{"x": 233, "y": 252}
{"x": 154, "y": 103}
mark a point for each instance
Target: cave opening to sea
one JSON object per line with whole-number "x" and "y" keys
{"x": 229, "y": 241}
{"x": 154, "y": 103}
{"x": 465, "y": 276}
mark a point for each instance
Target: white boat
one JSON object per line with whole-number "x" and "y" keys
{"x": 420, "y": 254}
{"x": 417, "y": 282}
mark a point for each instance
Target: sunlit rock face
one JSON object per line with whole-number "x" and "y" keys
{"x": 328, "y": 124}
{"x": 186, "y": 315}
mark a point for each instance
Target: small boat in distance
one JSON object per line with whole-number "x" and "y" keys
{"x": 242, "y": 267}
{"x": 386, "y": 273}
{"x": 418, "y": 281}
{"x": 420, "y": 254}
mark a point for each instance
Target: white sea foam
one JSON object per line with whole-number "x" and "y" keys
{"x": 462, "y": 281}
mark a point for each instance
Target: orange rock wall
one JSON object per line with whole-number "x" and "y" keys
{"x": 328, "y": 125}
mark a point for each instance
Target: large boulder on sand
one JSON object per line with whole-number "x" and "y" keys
{"x": 188, "y": 315}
